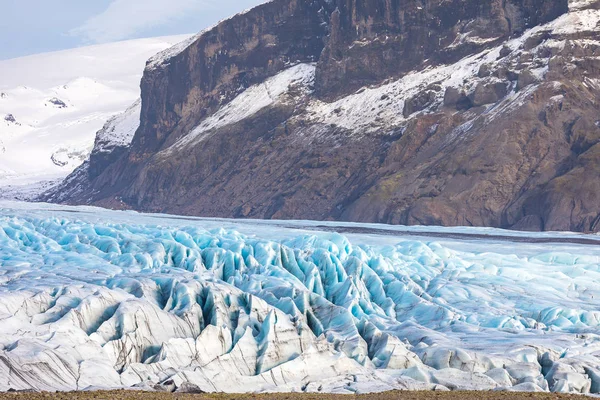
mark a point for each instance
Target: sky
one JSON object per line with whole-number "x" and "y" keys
{"x": 36, "y": 26}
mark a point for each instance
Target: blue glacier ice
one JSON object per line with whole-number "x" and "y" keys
{"x": 100, "y": 299}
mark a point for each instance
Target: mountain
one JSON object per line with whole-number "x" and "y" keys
{"x": 52, "y": 105}
{"x": 95, "y": 299}
{"x": 433, "y": 112}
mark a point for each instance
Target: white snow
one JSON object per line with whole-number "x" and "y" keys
{"x": 60, "y": 100}
{"x": 252, "y": 100}
{"x": 577, "y": 22}
{"x": 372, "y": 108}
{"x": 104, "y": 299}
{"x": 161, "y": 58}
{"x": 581, "y": 4}
{"x": 120, "y": 129}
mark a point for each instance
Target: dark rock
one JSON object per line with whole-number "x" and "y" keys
{"x": 512, "y": 75}
{"x": 397, "y": 36}
{"x": 10, "y": 118}
{"x": 525, "y": 58}
{"x": 488, "y": 93}
{"x": 456, "y": 99}
{"x": 57, "y": 162}
{"x": 505, "y": 51}
{"x": 166, "y": 386}
{"x": 419, "y": 102}
{"x": 240, "y": 52}
{"x": 504, "y": 73}
{"x": 526, "y": 78}
{"x": 582, "y": 135}
{"x": 535, "y": 40}
{"x": 58, "y": 103}
{"x": 484, "y": 70}
{"x": 451, "y": 96}
{"x": 529, "y": 223}
{"x": 190, "y": 388}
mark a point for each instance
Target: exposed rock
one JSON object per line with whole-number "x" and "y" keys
{"x": 488, "y": 93}
{"x": 419, "y": 102}
{"x": 187, "y": 387}
{"x": 504, "y": 52}
{"x": 373, "y": 40}
{"x": 58, "y": 103}
{"x": 166, "y": 386}
{"x": 456, "y": 99}
{"x": 66, "y": 156}
{"x": 57, "y": 161}
{"x": 484, "y": 70}
{"x": 526, "y": 78}
{"x": 504, "y": 73}
{"x": 114, "y": 139}
{"x": 322, "y": 149}
{"x": 218, "y": 64}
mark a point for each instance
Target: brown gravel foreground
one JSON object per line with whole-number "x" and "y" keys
{"x": 133, "y": 395}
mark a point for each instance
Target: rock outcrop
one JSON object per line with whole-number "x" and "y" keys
{"x": 457, "y": 112}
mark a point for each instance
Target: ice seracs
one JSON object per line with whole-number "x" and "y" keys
{"x": 103, "y": 299}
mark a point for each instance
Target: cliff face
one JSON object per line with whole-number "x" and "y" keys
{"x": 179, "y": 90}
{"x": 371, "y": 41}
{"x": 365, "y": 42}
{"x": 450, "y": 112}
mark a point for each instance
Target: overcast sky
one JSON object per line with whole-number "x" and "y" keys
{"x": 34, "y": 26}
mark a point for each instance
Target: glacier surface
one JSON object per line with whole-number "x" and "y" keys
{"x": 93, "y": 299}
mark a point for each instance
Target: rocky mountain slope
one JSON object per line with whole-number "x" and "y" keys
{"x": 445, "y": 112}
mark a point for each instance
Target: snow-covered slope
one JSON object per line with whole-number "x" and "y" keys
{"x": 252, "y": 100}
{"x": 376, "y": 109}
{"x": 103, "y": 299}
{"x": 52, "y": 104}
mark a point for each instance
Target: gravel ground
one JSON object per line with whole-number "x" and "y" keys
{"x": 133, "y": 395}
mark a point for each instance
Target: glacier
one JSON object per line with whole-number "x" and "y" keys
{"x": 97, "y": 299}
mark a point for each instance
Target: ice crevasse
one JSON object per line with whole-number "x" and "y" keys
{"x": 103, "y": 304}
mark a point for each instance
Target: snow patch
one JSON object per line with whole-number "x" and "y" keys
{"x": 251, "y": 101}
{"x": 120, "y": 129}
